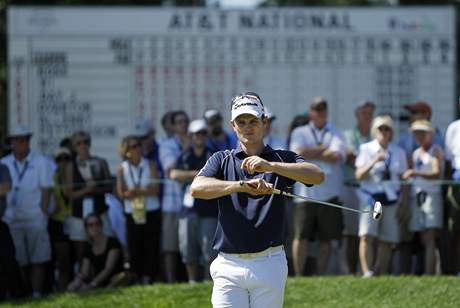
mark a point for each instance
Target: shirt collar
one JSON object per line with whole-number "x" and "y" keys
{"x": 241, "y": 154}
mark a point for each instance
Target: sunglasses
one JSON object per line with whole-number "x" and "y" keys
{"x": 62, "y": 158}
{"x": 201, "y": 133}
{"x": 134, "y": 146}
{"x": 384, "y": 129}
{"x": 93, "y": 224}
{"x": 84, "y": 141}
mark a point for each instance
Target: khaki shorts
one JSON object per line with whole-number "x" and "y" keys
{"x": 312, "y": 219}
{"x": 387, "y": 229}
{"x": 427, "y": 215}
{"x": 77, "y": 230}
{"x": 32, "y": 245}
{"x": 170, "y": 232}
{"x": 350, "y": 219}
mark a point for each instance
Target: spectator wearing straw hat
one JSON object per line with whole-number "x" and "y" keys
{"x": 426, "y": 199}
{"x": 379, "y": 167}
{"x": 27, "y": 211}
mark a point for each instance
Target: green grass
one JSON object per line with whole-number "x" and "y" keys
{"x": 302, "y": 292}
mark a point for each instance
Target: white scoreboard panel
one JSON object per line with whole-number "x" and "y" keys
{"x": 101, "y": 69}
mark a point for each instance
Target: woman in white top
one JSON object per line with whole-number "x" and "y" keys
{"x": 426, "y": 199}
{"x": 379, "y": 167}
{"x": 135, "y": 186}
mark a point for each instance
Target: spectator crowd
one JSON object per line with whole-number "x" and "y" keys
{"x": 69, "y": 224}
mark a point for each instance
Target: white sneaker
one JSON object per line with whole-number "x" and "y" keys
{"x": 368, "y": 274}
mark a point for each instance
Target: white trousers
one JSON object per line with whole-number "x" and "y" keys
{"x": 244, "y": 283}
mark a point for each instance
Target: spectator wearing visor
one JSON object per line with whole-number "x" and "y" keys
{"x": 218, "y": 138}
{"x": 379, "y": 167}
{"x": 198, "y": 219}
{"x": 426, "y": 200}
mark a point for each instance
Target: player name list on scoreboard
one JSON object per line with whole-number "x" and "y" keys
{"x": 102, "y": 69}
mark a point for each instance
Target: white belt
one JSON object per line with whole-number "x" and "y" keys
{"x": 264, "y": 253}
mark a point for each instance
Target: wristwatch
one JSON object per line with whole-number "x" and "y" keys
{"x": 241, "y": 183}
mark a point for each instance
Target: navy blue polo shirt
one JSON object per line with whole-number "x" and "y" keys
{"x": 247, "y": 223}
{"x": 189, "y": 161}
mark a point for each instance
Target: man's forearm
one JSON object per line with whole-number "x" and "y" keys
{"x": 302, "y": 172}
{"x": 46, "y": 195}
{"x": 211, "y": 188}
{"x": 4, "y": 189}
{"x": 311, "y": 152}
{"x": 183, "y": 175}
{"x": 330, "y": 156}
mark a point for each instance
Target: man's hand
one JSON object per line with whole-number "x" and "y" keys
{"x": 257, "y": 187}
{"x": 256, "y": 164}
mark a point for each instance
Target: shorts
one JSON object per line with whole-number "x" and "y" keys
{"x": 77, "y": 230}
{"x": 311, "y": 218}
{"x": 350, "y": 219}
{"x": 169, "y": 232}
{"x": 32, "y": 245}
{"x": 57, "y": 231}
{"x": 387, "y": 229}
{"x": 196, "y": 236}
{"x": 428, "y": 215}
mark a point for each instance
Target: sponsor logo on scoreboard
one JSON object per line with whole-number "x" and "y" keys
{"x": 399, "y": 24}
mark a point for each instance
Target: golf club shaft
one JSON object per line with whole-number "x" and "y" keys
{"x": 283, "y": 193}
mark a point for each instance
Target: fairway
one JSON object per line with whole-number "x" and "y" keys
{"x": 342, "y": 291}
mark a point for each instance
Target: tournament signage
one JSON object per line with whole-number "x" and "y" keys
{"x": 101, "y": 69}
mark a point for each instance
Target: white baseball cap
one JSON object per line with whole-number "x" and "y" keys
{"x": 197, "y": 125}
{"x": 247, "y": 105}
{"x": 20, "y": 131}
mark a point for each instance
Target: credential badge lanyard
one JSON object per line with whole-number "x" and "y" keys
{"x": 20, "y": 174}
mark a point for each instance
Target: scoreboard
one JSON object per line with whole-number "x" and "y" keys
{"x": 103, "y": 68}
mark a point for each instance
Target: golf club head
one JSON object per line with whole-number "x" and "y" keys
{"x": 377, "y": 210}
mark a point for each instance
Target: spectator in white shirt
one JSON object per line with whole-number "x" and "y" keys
{"x": 170, "y": 150}
{"x": 379, "y": 166}
{"x": 323, "y": 144}
{"x": 453, "y": 156}
{"x": 27, "y": 210}
{"x": 426, "y": 200}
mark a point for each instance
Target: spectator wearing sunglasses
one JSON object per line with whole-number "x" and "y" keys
{"x": 58, "y": 222}
{"x": 89, "y": 179}
{"x": 218, "y": 138}
{"x": 198, "y": 220}
{"x": 102, "y": 259}
{"x": 136, "y": 187}
{"x": 380, "y": 166}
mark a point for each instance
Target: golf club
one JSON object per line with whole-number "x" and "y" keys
{"x": 376, "y": 211}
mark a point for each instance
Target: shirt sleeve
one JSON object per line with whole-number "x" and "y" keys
{"x": 448, "y": 140}
{"x": 5, "y": 176}
{"x": 338, "y": 144}
{"x": 168, "y": 154}
{"x": 297, "y": 140}
{"x": 362, "y": 158}
{"x": 212, "y": 167}
{"x": 47, "y": 168}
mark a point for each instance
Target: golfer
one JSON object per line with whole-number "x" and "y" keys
{"x": 251, "y": 267}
